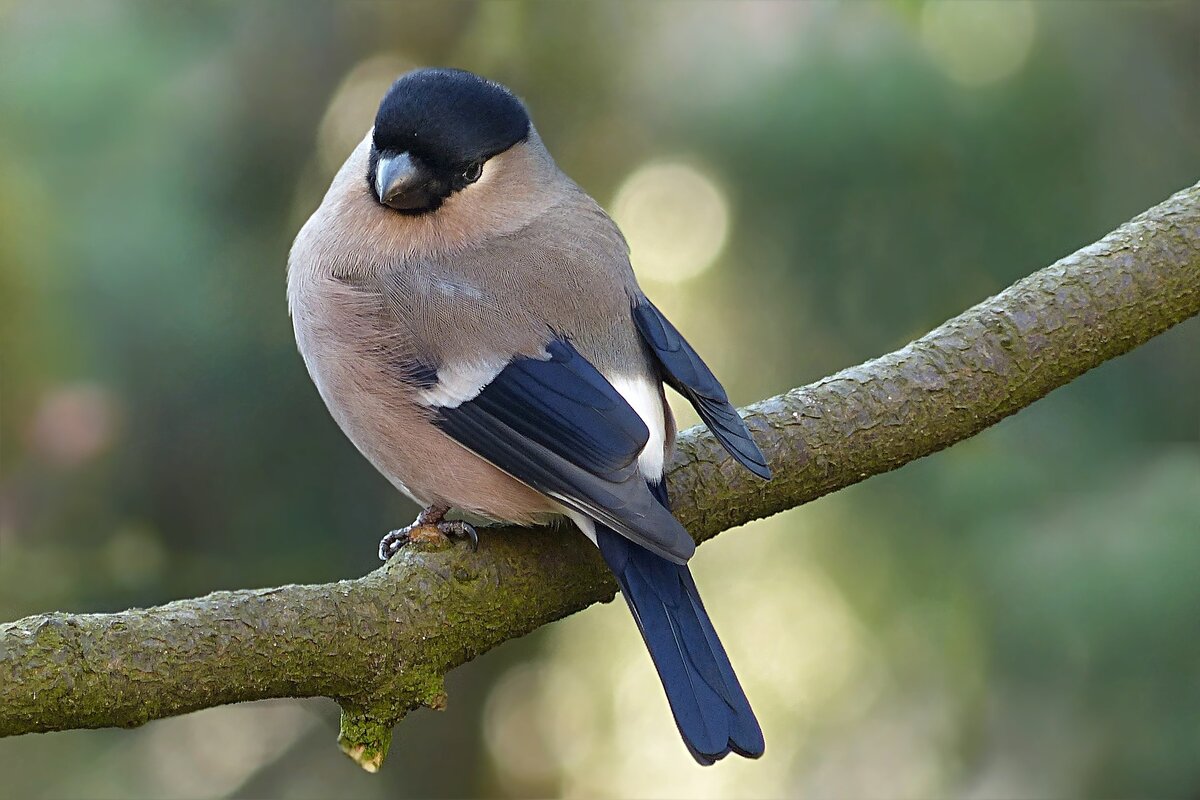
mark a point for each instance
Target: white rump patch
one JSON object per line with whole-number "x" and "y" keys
{"x": 459, "y": 383}
{"x": 583, "y": 522}
{"x": 643, "y": 394}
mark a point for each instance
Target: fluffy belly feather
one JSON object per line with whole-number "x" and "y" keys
{"x": 385, "y": 421}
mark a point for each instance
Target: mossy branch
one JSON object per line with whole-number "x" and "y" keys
{"x": 380, "y": 645}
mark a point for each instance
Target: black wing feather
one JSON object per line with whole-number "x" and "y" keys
{"x": 559, "y": 426}
{"x": 687, "y": 373}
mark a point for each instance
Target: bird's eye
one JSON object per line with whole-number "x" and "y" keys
{"x": 472, "y": 172}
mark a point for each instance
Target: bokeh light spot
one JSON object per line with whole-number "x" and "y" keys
{"x": 73, "y": 424}
{"x": 540, "y": 721}
{"x": 675, "y": 218}
{"x": 351, "y": 112}
{"x": 980, "y": 42}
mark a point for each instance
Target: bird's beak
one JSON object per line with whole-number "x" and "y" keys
{"x": 403, "y": 182}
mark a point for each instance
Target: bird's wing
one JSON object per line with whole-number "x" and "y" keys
{"x": 684, "y": 370}
{"x": 557, "y": 425}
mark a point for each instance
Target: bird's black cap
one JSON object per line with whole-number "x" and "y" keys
{"x": 449, "y": 118}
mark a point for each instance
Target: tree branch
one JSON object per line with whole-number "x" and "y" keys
{"x": 380, "y": 645}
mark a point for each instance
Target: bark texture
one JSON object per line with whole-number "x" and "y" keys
{"x": 381, "y": 644}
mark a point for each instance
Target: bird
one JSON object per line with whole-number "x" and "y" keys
{"x": 471, "y": 319}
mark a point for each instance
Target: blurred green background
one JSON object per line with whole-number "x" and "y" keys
{"x": 805, "y": 186}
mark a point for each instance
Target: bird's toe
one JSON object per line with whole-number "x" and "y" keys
{"x": 458, "y": 529}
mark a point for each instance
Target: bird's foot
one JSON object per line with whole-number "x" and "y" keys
{"x": 428, "y": 528}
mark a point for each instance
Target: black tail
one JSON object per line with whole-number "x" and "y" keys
{"x": 709, "y": 705}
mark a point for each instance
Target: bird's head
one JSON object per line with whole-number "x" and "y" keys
{"x": 435, "y": 132}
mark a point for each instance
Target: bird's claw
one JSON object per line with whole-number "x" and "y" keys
{"x": 390, "y": 544}
{"x": 457, "y": 529}
{"x": 427, "y": 533}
